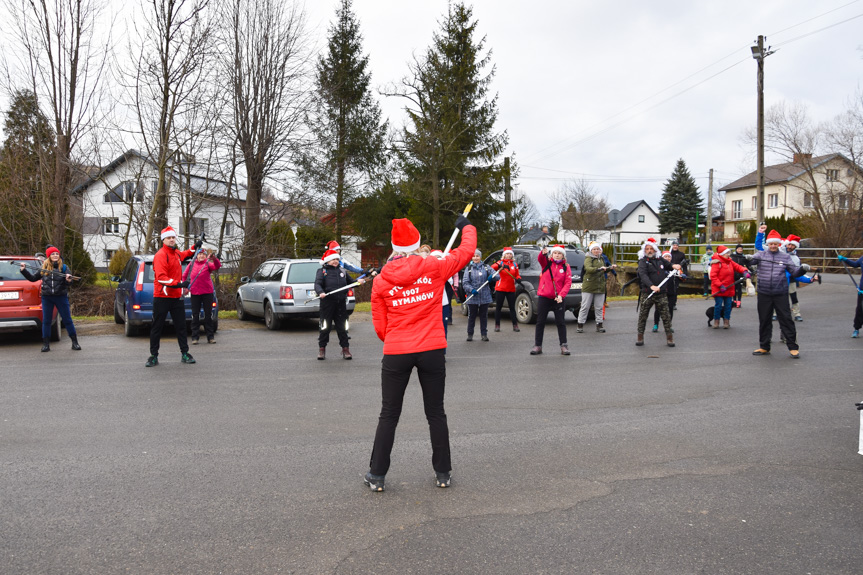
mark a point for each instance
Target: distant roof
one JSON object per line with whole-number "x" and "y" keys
{"x": 780, "y": 173}
{"x": 198, "y": 180}
{"x": 533, "y": 235}
{"x": 627, "y": 210}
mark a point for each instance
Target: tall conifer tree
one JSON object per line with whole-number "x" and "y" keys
{"x": 680, "y": 202}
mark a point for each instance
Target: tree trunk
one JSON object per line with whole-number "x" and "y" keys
{"x": 252, "y": 240}
{"x": 60, "y": 203}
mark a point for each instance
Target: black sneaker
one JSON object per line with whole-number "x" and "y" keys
{"x": 375, "y": 482}
{"x": 442, "y": 479}
{"x": 152, "y": 361}
{"x": 187, "y": 358}
{"x": 484, "y": 338}
{"x": 469, "y": 338}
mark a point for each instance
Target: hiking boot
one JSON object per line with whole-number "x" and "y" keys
{"x": 346, "y": 353}
{"x": 564, "y": 349}
{"x": 515, "y": 327}
{"x": 855, "y": 333}
{"x": 655, "y": 327}
{"x": 469, "y": 337}
{"x": 211, "y": 340}
{"x": 484, "y": 338}
{"x": 322, "y": 353}
{"x": 375, "y": 482}
{"x": 442, "y": 479}
{"x": 194, "y": 341}
{"x": 536, "y": 350}
{"x": 726, "y": 323}
{"x": 715, "y": 324}
{"x": 669, "y": 339}
{"x": 152, "y": 361}
{"x": 599, "y": 328}
{"x": 187, "y": 358}
{"x": 798, "y": 318}
{"x": 75, "y": 345}
{"x": 640, "y": 340}
{"x": 497, "y": 327}
{"x": 579, "y": 328}
{"x": 46, "y": 344}
{"x": 761, "y": 351}
{"x": 795, "y": 354}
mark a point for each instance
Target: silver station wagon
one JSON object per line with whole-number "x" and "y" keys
{"x": 278, "y": 290}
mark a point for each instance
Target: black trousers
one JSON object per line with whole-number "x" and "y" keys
{"x": 738, "y": 290}
{"x": 543, "y": 306}
{"x": 395, "y": 373}
{"x": 334, "y": 313}
{"x": 499, "y": 297}
{"x": 162, "y": 306}
{"x": 482, "y": 312}
{"x": 858, "y": 313}
{"x": 778, "y": 304}
{"x": 205, "y": 299}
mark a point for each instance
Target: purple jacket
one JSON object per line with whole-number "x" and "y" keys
{"x": 562, "y": 278}
{"x": 200, "y": 278}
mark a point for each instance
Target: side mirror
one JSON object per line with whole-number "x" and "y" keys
{"x": 245, "y": 279}
{"x": 115, "y": 279}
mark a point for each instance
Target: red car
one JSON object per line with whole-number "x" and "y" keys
{"x": 20, "y": 299}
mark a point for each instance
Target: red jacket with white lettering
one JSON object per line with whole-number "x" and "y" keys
{"x": 407, "y": 295}
{"x": 168, "y": 270}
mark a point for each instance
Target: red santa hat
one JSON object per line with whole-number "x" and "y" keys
{"x": 773, "y": 238}
{"x": 168, "y": 233}
{"x": 405, "y": 237}
{"x": 508, "y": 250}
{"x": 437, "y": 253}
{"x": 330, "y": 255}
{"x": 652, "y": 243}
{"x": 558, "y": 248}
{"x": 793, "y": 240}
{"x": 333, "y": 245}
{"x": 723, "y": 251}
{"x": 666, "y": 253}
{"x": 592, "y": 245}
{"x": 51, "y": 250}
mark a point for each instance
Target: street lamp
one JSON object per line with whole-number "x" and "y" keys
{"x": 759, "y": 53}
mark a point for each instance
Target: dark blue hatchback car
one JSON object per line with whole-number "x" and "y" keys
{"x": 133, "y": 300}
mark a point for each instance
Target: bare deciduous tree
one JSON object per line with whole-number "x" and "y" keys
{"x": 579, "y": 208}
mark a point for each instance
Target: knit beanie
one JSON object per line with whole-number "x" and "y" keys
{"x": 51, "y": 250}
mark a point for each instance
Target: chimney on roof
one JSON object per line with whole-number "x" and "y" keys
{"x": 802, "y": 158}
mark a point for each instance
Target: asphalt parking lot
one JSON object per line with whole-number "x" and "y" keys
{"x": 618, "y": 459}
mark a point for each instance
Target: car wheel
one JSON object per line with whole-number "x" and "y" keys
{"x": 271, "y": 318}
{"x": 525, "y": 311}
{"x": 128, "y": 329}
{"x": 55, "y": 330}
{"x": 118, "y": 319}
{"x": 241, "y": 311}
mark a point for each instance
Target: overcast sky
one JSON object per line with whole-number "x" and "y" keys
{"x": 619, "y": 90}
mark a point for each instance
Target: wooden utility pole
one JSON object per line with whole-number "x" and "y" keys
{"x": 507, "y": 197}
{"x": 707, "y": 238}
{"x": 759, "y": 54}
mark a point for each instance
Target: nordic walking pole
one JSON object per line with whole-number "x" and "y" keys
{"x": 670, "y": 275}
{"x": 740, "y": 281}
{"x": 848, "y": 271}
{"x": 483, "y": 285}
{"x": 13, "y": 262}
{"x": 455, "y": 231}
{"x": 356, "y": 283}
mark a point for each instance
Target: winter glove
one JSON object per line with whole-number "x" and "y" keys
{"x": 806, "y": 267}
{"x": 461, "y": 222}
{"x": 473, "y": 292}
{"x": 198, "y": 244}
{"x": 841, "y": 258}
{"x": 747, "y": 275}
{"x": 184, "y": 284}
{"x": 519, "y": 281}
{"x": 722, "y": 288}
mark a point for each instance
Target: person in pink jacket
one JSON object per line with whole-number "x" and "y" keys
{"x": 554, "y": 283}
{"x": 202, "y": 292}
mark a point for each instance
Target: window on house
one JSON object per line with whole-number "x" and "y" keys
{"x": 736, "y": 209}
{"x": 773, "y": 200}
{"x": 754, "y": 203}
{"x": 229, "y": 228}
{"x": 125, "y": 192}
{"x": 592, "y": 238}
{"x": 808, "y": 200}
{"x": 197, "y": 226}
{"x": 108, "y": 255}
{"x": 110, "y": 226}
{"x": 842, "y": 201}
{"x": 640, "y": 219}
{"x": 832, "y": 175}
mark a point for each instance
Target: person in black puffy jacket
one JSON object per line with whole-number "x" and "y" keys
{"x": 334, "y": 310}
{"x": 55, "y": 278}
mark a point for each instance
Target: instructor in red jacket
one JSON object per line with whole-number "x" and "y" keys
{"x": 406, "y": 301}
{"x": 168, "y": 295}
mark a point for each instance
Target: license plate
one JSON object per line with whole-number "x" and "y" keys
{"x": 311, "y": 293}
{"x": 9, "y": 295}
{"x": 576, "y": 286}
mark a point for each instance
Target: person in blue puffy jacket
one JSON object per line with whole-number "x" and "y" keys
{"x": 475, "y": 275}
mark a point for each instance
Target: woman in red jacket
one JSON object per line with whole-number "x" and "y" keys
{"x": 722, "y": 270}
{"x": 505, "y": 288}
{"x": 554, "y": 283}
{"x": 406, "y": 312}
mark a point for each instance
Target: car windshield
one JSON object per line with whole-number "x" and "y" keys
{"x": 10, "y": 271}
{"x": 303, "y": 272}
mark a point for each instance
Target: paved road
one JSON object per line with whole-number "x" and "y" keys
{"x": 703, "y": 459}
